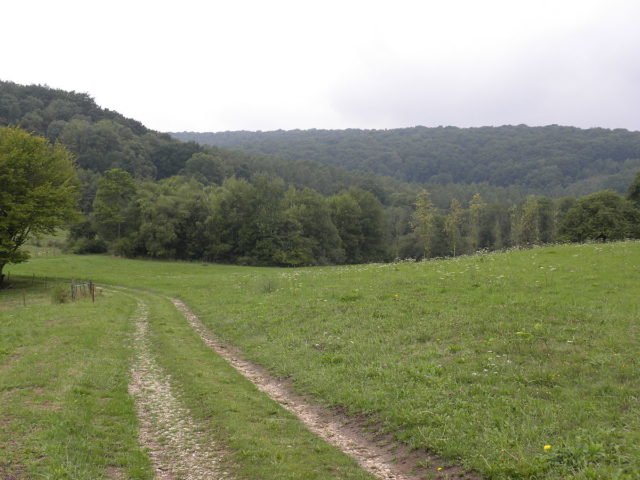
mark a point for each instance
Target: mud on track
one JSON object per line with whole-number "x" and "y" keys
{"x": 378, "y": 455}
{"x": 176, "y": 448}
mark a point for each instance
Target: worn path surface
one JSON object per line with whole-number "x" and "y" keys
{"x": 176, "y": 447}
{"x": 378, "y": 455}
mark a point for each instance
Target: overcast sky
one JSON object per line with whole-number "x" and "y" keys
{"x": 271, "y": 64}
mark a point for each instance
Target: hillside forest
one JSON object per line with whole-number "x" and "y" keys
{"x": 555, "y": 161}
{"x": 316, "y": 197}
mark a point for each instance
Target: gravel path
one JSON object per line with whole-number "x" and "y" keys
{"x": 176, "y": 447}
{"x": 378, "y": 455}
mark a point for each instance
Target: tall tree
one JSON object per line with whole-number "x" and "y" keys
{"x": 233, "y": 207}
{"x": 397, "y": 228}
{"x": 422, "y": 220}
{"x": 534, "y": 221}
{"x": 38, "y": 193}
{"x": 205, "y": 168}
{"x": 454, "y": 225}
{"x": 371, "y": 224}
{"x": 345, "y": 213}
{"x": 476, "y": 209}
{"x": 319, "y": 238}
{"x": 113, "y": 205}
{"x": 634, "y": 191}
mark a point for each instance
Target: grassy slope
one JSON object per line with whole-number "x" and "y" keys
{"x": 484, "y": 359}
{"x": 64, "y": 407}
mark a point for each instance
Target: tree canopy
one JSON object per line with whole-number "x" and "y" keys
{"x": 552, "y": 160}
{"x": 601, "y": 216}
{"x": 38, "y": 190}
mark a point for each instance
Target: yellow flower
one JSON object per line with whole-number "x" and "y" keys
{"x": 547, "y": 448}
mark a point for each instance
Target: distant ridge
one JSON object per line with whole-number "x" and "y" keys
{"x": 552, "y": 160}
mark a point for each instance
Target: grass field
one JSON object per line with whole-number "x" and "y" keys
{"x": 65, "y": 411}
{"x": 264, "y": 440}
{"x": 485, "y": 359}
{"x": 64, "y": 407}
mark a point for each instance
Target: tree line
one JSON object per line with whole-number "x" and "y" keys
{"x": 143, "y": 193}
{"x": 259, "y": 221}
{"x": 600, "y": 216}
{"x": 264, "y": 221}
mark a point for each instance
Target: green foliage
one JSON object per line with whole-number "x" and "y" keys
{"x": 551, "y": 160}
{"x": 316, "y": 236}
{"x": 113, "y": 205}
{"x": 171, "y": 216}
{"x": 422, "y": 220}
{"x": 38, "y": 194}
{"x": 262, "y": 222}
{"x": 60, "y": 293}
{"x": 250, "y": 208}
{"x": 477, "y": 222}
{"x": 455, "y": 229}
{"x": 534, "y": 222}
{"x": 633, "y": 193}
{"x": 601, "y": 216}
{"x": 103, "y": 140}
{"x": 169, "y": 157}
{"x": 358, "y": 217}
{"x": 206, "y": 168}
{"x": 435, "y": 232}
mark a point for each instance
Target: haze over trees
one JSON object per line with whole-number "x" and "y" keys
{"x": 145, "y": 194}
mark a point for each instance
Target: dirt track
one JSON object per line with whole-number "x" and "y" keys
{"x": 377, "y": 454}
{"x": 176, "y": 448}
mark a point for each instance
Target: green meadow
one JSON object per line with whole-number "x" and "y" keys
{"x": 64, "y": 369}
{"x": 521, "y": 364}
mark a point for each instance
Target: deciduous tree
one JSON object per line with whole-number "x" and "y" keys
{"x": 113, "y": 204}
{"x": 38, "y": 191}
{"x": 634, "y": 191}
{"x": 422, "y": 219}
{"x": 601, "y": 216}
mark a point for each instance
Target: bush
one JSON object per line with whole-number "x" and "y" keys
{"x": 87, "y": 245}
{"x": 60, "y": 294}
{"x": 268, "y": 285}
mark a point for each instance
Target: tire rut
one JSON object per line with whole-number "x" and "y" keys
{"x": 376, "y": 454}
{"x": 178, "y": 450}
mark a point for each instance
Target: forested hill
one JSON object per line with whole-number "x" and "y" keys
{"x": 551, "y": 160}
{"x": 146, "y": 194}
{"x": 103, "y": 139}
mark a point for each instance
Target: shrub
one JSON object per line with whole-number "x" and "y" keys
{"x": 60, "y": 294}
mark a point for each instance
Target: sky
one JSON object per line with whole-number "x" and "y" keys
{"x": 214, "y": 65}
